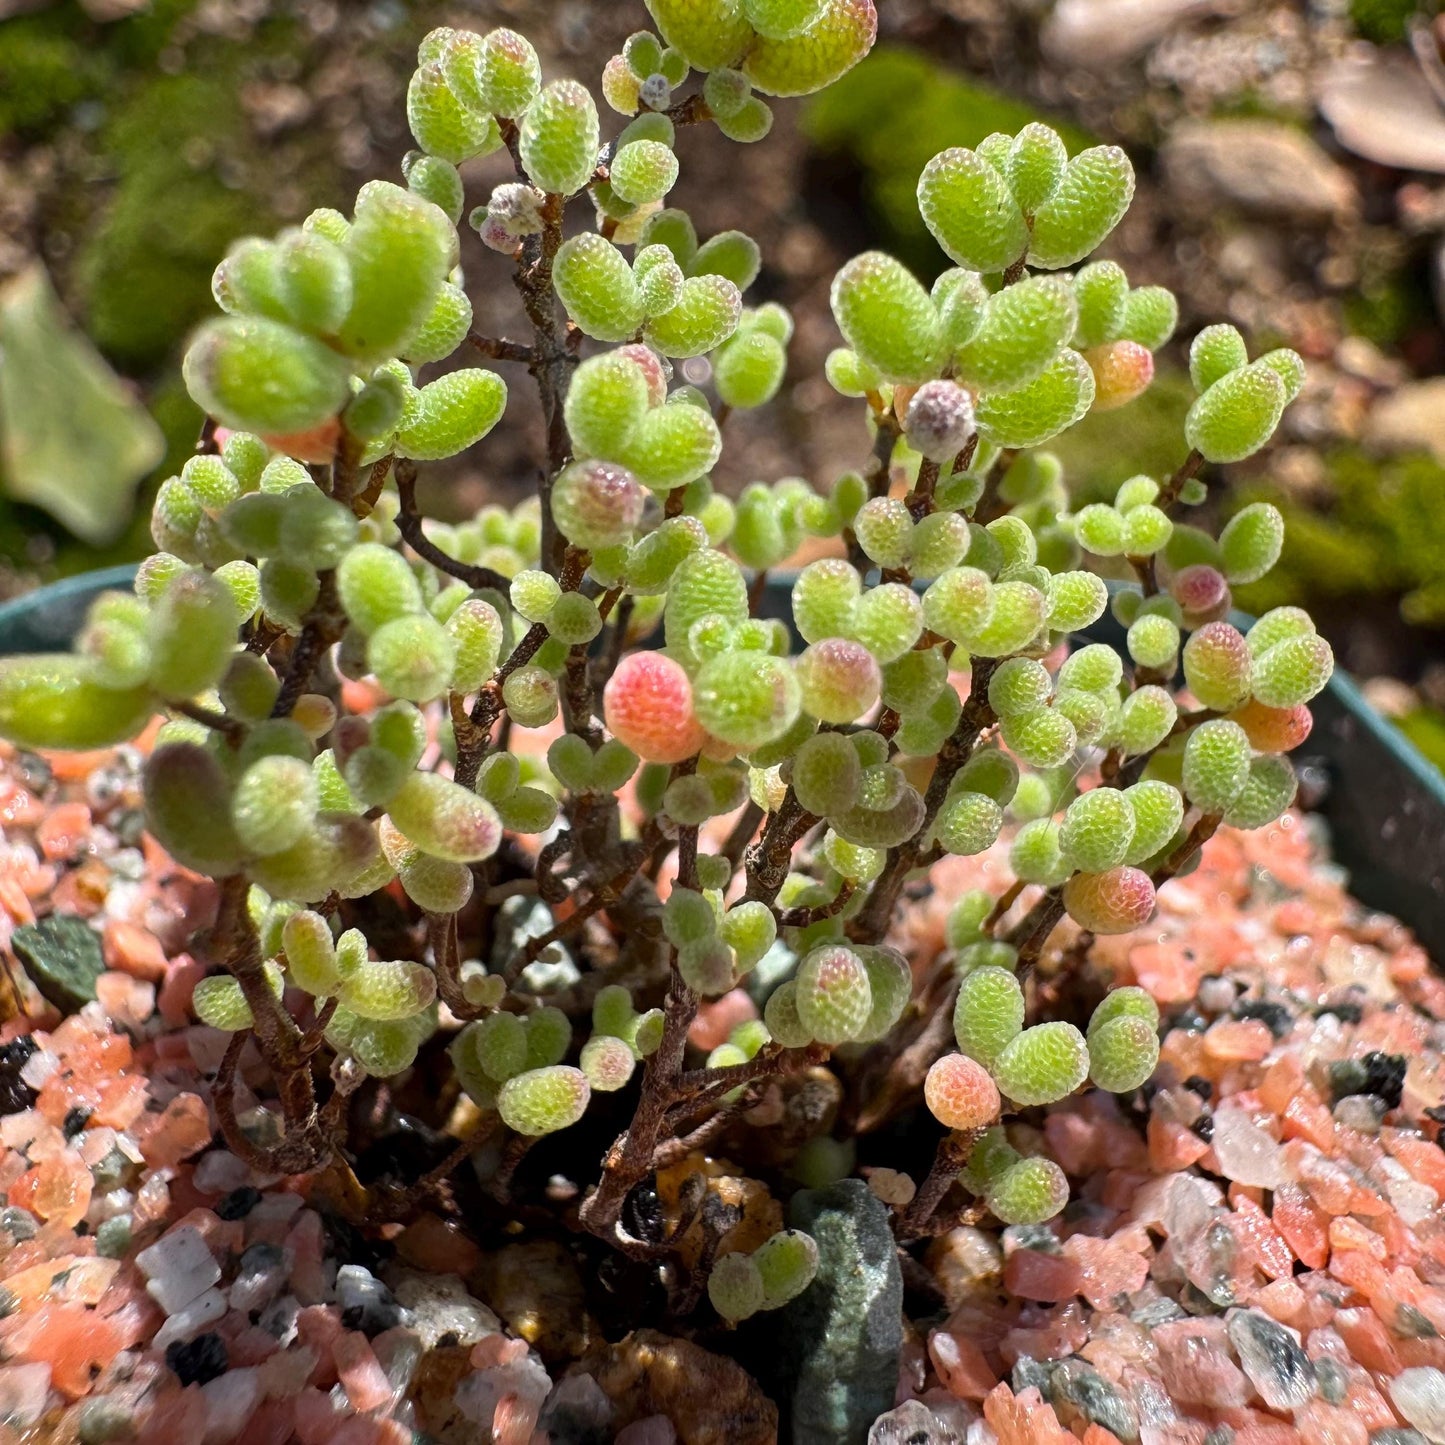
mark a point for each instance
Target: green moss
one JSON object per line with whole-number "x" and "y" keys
{"x": 1383, "y": 535}
{"x": 1425, "y": 727}
{"x": 44, "y": 71}
{"x": 145, "y": 271}
{"x": 1385, "y": 306}
{"x": 893, "y": 113}
{"x": 1387, "y": 22}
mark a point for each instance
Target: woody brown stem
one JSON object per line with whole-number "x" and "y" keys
{"x": 951, "y": 1155}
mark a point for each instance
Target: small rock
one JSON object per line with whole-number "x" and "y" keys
{"x": 966, "y": 1263}
{"x": 440, "y": 1308}
{"x": 199, "y": 1360}
{"x": 1073, "y": 1383}
{"x": 15, "y": 1094}
{"x": 20, "y": 1224}
{"x": 260, "y": 1277}
{"x": 1381, "y": 107}
{"x": 1100, "y": 34}
{"x": 1419, "y": 1395}
{"x": 1410, "y": 419}
{"x": 63, "y": 956}
{"x": 577, "y": 1412}
{"x": 1263, "y": 168}
{"x": 366, "y": 1303}
{"x": 844, "y": 1333}
{"x": 1375, "y": 1073}
{"x": 231, "y": 1400}
{"x": 912, "y": 1423}
{"x": 186, "y": 1323}
{"x": 24, "y": 1390}
{"x": 101, "y": 1420}
{"x": 178, "y": 1267}
{"x": 1273, "y": 1359}
{"x": 710, "y": 1399}
{"x": 238, "y": 1203}
{"x": 1245, "y": 1151}
{"x": 1333, "y": 1381}
{"x": 279, "y": 1319}
{"x": 438, "y": 1378}
{"x": 534, "y": 1286}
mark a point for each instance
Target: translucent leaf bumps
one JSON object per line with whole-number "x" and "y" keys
{"x": 448, "y": 415}
{"x": 1042, "y": 1064}
{"x": 1114, "y": 902}
{"x": 960, "y": 1093}
{"x": 1029, "y": 1192}
{"x": 261, "y": 375}
{"x": 647, "y": 703}
{"x": 597, "y": 287}
{"x": 888, "y": 318}
{"x": 54, "y": 701}
{"x": 543, "y": 1100}
{"x": 968, "y": 206}
{"x": 559, "y": 137}
{"x": 1032, "y": 414}
{"x": 399, "y": 248}
{"x": 1090, "y": 200}
{"x": 1237, "y": 414}
{"x": 746, "y": 698}
{"x": 807, "y": 60}
{"x": 833, "y": 995}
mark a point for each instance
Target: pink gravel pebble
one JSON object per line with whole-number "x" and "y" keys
{"x": 361, "y": 1375}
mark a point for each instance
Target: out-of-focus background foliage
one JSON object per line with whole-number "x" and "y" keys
{"x": 1292, "y": 180}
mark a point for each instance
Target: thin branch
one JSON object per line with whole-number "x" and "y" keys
{"x": 806, "y": 917}
{"x": 366, "y": 498}
{"x": 1002, "y": 904}
{"x": 951, "y": 1156}
{"x": 691, "y": 111}
{"x": 768, "y": 858}
{"x": 1188, "y": 469}
{"x": 743, "y": 833}
{"x": 498, "y": 348}
{"x": 409, "y": 524}
{"x": 207, "y": 717}
{"x": 322, "y": 628}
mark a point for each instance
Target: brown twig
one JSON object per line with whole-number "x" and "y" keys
{"x": 743, "y": 832}
{"x": 1188, "y": 469}
{"x": 217, "y": 721}
{"x": 366, "y": 498}
{"x": 806, "y": 917}
{"x": 951, "y": 1156}
{"x": 768, "y": 859}
{"x": 498, "y": 348}
{"x": 322, "y": 628}
{"x": 1002, "y": 904}
{"x": 409, "y": 524}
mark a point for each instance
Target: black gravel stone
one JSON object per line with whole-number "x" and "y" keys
{"x": 1376, "y": 1073}
{"x": 1275, "y": 1016}
{"x": 238, "y": 1203}
{"x": 15, "y": 1094}
{"x": 198, "y": 1361}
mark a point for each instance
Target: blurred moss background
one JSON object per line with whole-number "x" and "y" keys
{"x": 139, "y": 137}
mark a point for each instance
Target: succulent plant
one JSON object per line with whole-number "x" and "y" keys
{"x": 347, "y": 690}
